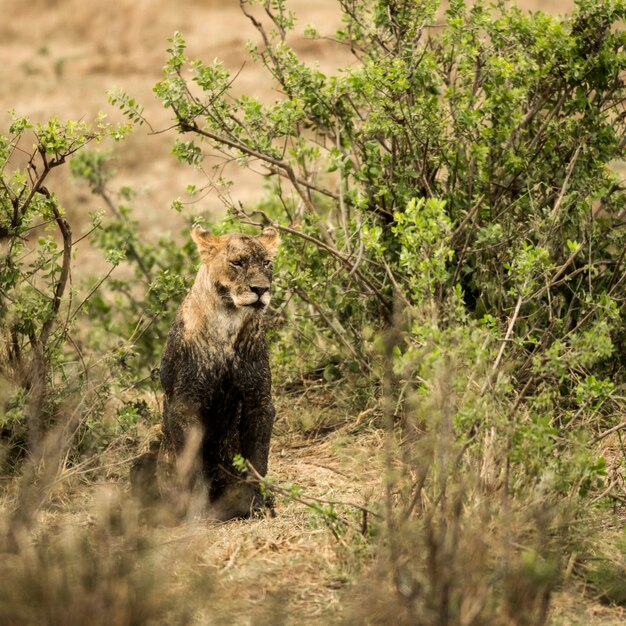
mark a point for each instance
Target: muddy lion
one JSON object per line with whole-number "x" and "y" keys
{"x": 216, "y": 378}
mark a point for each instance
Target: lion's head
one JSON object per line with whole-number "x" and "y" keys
{"x": 239, "y": 267}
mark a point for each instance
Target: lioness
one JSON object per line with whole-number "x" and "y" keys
{"x": 215, "y": 371}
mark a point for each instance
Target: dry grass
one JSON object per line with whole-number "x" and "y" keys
{"x": 574, "y": 608}
{"x": 88, "y": 548}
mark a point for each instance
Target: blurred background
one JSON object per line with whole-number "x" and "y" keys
{"x": 60, "y": 57}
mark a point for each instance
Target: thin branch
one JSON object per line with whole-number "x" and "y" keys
{"x": 256, "y": 477}
{"x": 507, "y": 337}
{"x": 320, "y": 244}
{"x": 557, "y": 275}
{"x": 608, "y": 432}
{"x": 341, "y": 335}
{"x": 102, "y": 192}
{"x": 568, "y": 175}
{"x": 91, "y": 292}
{"x": 79, "y": 353}
{"x": 59, "y": 290}
{"x": 187, "y": 126}
{"x": 305, "y": 183}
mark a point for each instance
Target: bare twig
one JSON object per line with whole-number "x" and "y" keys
{"x": 608, "y": 432}
{"x": 91, "y": 292}
{"x": 59, "y": 290}
{"x": 568, "y": 175}
{"x": 507, "y": 337}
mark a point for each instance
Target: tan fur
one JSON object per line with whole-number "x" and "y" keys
{"x": 192, "y": 315}
{"x": 237, "y": 264}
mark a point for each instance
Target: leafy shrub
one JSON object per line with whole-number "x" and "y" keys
{"x": 471, "y": 164}
{"x": 464, "y": 174}
{"x": 457, "y": 186}
{"x": 39, "y": 305}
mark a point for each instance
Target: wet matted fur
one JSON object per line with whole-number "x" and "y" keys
{"x": 216, "y": 376}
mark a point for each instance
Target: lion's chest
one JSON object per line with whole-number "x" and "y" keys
{"x": 210, "y": 375}
{"x": 215, "y": 378}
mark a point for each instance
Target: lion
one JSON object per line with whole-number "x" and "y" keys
{"x": 216, "y": 378}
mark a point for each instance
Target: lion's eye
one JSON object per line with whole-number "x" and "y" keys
{"x": 237, "y": 263}
{"x": 267, "y": 263}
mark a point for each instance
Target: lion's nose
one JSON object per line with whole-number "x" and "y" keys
{"x": 259, "y": 289}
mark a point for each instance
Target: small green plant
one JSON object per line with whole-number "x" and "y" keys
{"x": 340, "y": 518}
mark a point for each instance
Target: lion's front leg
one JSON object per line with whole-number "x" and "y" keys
{"x": 255, "y": 433}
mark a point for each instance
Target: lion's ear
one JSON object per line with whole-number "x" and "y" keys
{"x": 270, "y": 239}
{"x": 208, "y": 243}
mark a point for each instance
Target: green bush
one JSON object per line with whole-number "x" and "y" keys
{"x": 465, "y": 174}
{"x": 39, "y": 305}
{"x": 457, "y": 186}
{"x": 471, "y": 166}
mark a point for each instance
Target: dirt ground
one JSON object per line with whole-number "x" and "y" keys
{"x": 59, "y": 57}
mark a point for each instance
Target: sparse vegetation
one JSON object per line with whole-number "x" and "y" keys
{"x": 447, "y": 330}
